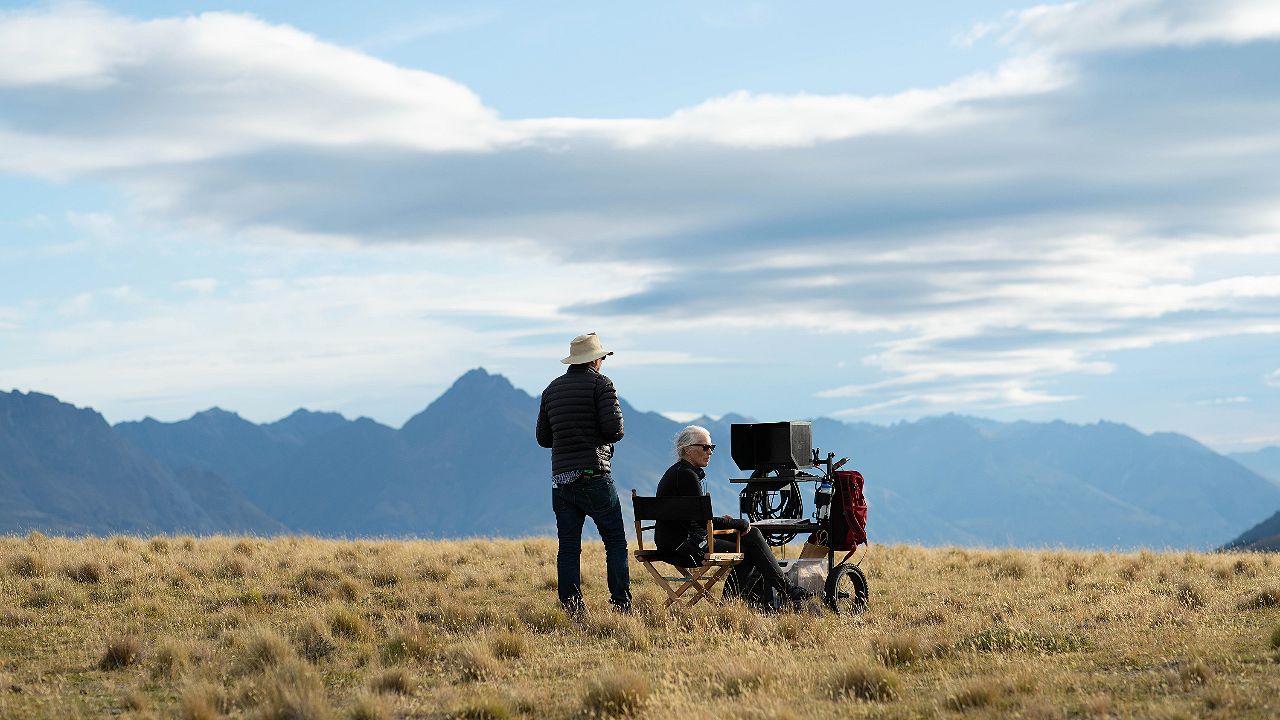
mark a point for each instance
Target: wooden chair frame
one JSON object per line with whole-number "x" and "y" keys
{"x": 701, "y": 579}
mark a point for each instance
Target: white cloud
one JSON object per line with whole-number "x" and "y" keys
{"x": 218, "y": 84}
{"x": 975, "y": 33}
{"x": 983, "y": 395}
{"x": 1232, "y": 400}
{"x": 211, "y": 85}
{"x": 276, "y": 342}
{"x": 748, "y": 120}
{"x": 1273, "y": 378}
{"x": 1112, "y": 24}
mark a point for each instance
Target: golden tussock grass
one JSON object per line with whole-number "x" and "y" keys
{"x": 619, "y": 693}
{"x": 368, "y": 706}
{"x": 120, "y": 652}
{"x": 864, "y": 681}
{"x": 394, "y": 680}
{"x": 228, "y": 627}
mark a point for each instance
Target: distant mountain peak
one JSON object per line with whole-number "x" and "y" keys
{"x": 303, "y": 415}
{"x": 481, "y": 378}
{"x": 216, "y": 413}
{"x": 474, "y": 389}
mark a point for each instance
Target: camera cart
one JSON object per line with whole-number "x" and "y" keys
{"x": 780, "y": 456}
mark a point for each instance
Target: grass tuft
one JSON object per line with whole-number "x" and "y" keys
{"x": 485, "y": 707}
{"x": 1005, "y": 565}
{"x": 394, "y": 680}
{"x": 316, "y": 581}
{"x": 170, "y": 660}
{"x": 88, "y": 572}
{"x": 865, "y": 681}
{"x": 899, "y": 649}
{"x": 1194, "y": 672}
{"x": 384, "y": 577}
{"x": 120, "y": 652}
{"x": 293, "y": 692}
{"x": 1246, "y": 568}
{"x": 312, "y": 638}
{"x": 345, "y": 623}
{"x": 434, "y": 573}
{"x": 27, "y": 565}
{"x": 798, "y": 630}
{"x": 474, "y": 661}
{"x": 632, "y": 635}
{"x": 1262, "y": 599}
{"x": 1190, "y": 596}
{"x": 412, "y": 642}
{"x": 262, "y": 648}
{"x": 617, "y": 694}
{"x": 976, "y": 693}
{"x": 742, "y": 678}
{"x": 1002, "y": 638}
{"x": 368, "y": 706}
{"x": 16, "y": 618}
{"x": 201, "y": 700}
{"x": 42, "y": 598}
{"x": 544, "y": 619}
{"x": 510, "y": 645}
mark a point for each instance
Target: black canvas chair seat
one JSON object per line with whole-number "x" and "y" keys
{"x": 676, "y": 559}
{"x": 697, "y": 574}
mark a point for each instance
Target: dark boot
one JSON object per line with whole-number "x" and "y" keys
{"x": 799, "y": 597}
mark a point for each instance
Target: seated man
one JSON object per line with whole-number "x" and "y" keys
{"x": 693, "y": 452}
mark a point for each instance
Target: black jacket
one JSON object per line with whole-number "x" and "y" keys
{"x": 685, "y": 478}
{"x": 579, "y": 419}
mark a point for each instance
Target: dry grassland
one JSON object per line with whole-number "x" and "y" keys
{"x": 307, "y": 628}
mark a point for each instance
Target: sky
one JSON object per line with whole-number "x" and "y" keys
{"x": 869, "y": 211}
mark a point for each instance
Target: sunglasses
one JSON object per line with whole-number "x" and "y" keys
{"x": 708, "y": 448}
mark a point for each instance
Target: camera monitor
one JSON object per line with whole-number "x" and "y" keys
{"x": 771, "y": 446}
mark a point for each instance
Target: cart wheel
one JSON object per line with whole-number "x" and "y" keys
{"x": 846, "y": 589}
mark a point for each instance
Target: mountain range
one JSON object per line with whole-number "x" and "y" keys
{"x": 467, "y": 465}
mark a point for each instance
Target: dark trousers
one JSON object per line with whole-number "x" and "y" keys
{"x": 757, "y": 556}
{"x": 573, "y": 503}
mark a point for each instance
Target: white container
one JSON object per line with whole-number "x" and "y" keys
{"x": 808, "y": 573}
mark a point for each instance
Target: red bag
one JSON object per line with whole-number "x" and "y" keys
{"x": 848, "y": 511}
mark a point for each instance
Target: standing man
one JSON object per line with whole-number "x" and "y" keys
{"x": 579, "y": 419}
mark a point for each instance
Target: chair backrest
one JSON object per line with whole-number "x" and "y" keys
{"x": 679, "y": 508}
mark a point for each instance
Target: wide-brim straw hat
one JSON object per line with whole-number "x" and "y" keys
{"x": 584, "y": 349}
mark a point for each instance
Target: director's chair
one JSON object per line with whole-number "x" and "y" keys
{"x": 699, "y": 577}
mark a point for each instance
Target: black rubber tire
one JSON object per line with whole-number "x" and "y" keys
{"x": 847, "y": 591}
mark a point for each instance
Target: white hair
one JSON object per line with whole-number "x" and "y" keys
{"x": 686, "y": 437}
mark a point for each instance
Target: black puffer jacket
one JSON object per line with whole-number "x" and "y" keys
{"x": 580, "y": 420}
{"x": 685, "y": 478}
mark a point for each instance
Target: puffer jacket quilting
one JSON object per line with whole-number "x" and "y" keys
{"x": 579, "y": 418}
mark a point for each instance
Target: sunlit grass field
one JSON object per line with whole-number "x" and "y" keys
{"x": 300, "y": 627}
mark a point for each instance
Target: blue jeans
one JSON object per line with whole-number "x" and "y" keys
{"x": 573, "y": 503}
